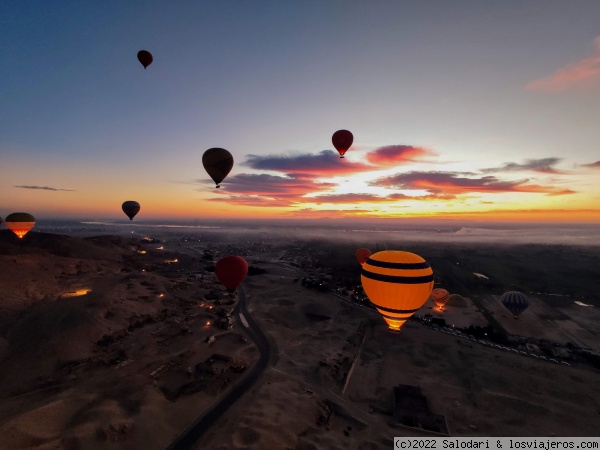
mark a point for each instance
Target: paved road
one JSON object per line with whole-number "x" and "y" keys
{"x": 194, "y": 432}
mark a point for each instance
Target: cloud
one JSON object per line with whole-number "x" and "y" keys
{"x": 345, "y": 198}
{"x": 583, "y": 74}
{"x": 398, "y": 154}
{"x": 372, "y": 198}
{"x": 451, "y": 184}
{"x": 325, "y": 163}
{"x": 44, "y": 188}
{"x": 544, "y": 165}
{"x": 269, "y": 190}
{"x": 594, "y": 165}
{"x": 254, "y": 200}
{"x": 312, "y": 213}
{"x": 266, "y": 184}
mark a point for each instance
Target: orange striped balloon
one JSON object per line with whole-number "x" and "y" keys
{"x": 398, "y": 283}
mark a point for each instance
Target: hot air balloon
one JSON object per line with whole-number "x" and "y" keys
{"x": 231, "y": 271}
{"x": 218, "y": 163}
{"x": 362, "y": 254}
{"x": 516, "y": 302}
{"x": 440, "y": 296}
{"x": 145, "y": 57}
{"x": 342, "y": 140}
{"x": 130, "y": 208}
{"x": 20, "y": 223}
{"x": 397, "y": 283}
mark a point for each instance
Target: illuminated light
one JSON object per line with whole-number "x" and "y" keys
{"x": 20, "y": 232}
{"x": 208, "y": 323}
{"x": 142, "y": 252}
{"x": 161, "y": 295}
{"x": 160, "y": 248}
{"x": 77, "y": 293}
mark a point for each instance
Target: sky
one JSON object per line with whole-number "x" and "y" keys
{"x": 459, "y": 110}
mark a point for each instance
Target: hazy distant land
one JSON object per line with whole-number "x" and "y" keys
{"x": 104, "y": 345}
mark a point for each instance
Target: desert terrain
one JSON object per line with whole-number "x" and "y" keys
{"x": 113, "y": 342}
{"x": 308, "y": 401}
{"x": 103, "y": 344}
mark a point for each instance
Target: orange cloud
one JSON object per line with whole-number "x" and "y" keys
{"x": 492, "y": 215}
{"x": 268, "y": 190}
{"x": 312, "y": 213}
{"x": 582, "y": 74}
{"x": 452, "y": 184}
{"x": 255, "y": 200}
{"x": 372, "y": 198}
{"x": 594, "y": 165}
{"x": 272, "y": 185}
{"x": 398, "y": 154}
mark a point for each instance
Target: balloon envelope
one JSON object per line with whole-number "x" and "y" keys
{"x": 362, "y": 254}
{"x": 440, "y": 296}
{"x": 130, "y": 208}
{"x": 516, "y": 302}
{"x": 145, "y": 57}
{"x": 342, "y": 141}
{"x": 231, "y": 271}
{"x": 397, "y": 283}
{"x": 217, "y": 162}
{"x": 20, "y": 223}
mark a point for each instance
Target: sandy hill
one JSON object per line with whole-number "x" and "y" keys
{"x": 104, "y": 339}
{"x": 61, "y": 245}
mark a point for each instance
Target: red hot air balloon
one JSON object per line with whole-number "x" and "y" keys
{"x": 145, "y": 57}
{"x": 131, "y": 208}
{"x": 231, "y": 271}
{"x": 342, "y": 141}
{"x": 362, "y": 254}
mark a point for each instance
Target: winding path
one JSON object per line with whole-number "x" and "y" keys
{"x": 189, "y": 438}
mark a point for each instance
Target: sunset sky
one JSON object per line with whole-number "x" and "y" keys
{"x": 459, "y": 109}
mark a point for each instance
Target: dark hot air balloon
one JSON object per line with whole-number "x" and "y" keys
{"x": 516, "y": 302}
{"x": 145, "y": 57}
{"x": 131, "y": 208}
{"x": 440, "y": 296}
{"x": 342, "y": 141}
{"x": 397, "y": 283}
{"x": 20, "y": 223}
{"x": 362, "y": 254}
{"x": 218, "y": 163}
{"x": 231, "y": 271}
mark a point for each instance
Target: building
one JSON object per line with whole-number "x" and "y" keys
{"x": 411, "y": 410}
